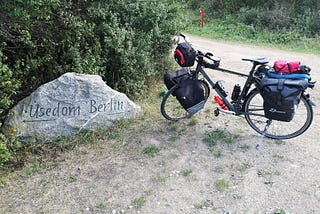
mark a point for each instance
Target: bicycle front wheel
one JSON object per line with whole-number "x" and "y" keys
{"x": 254, "y": 114}
{"x": 171, "y": 109}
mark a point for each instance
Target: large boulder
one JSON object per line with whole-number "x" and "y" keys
{"x": 65, "y": 106}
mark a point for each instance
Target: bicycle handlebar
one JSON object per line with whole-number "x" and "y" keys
{"x": 208, "y": 60}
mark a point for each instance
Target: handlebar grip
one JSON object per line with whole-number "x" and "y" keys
{"x": 182, "y": 35}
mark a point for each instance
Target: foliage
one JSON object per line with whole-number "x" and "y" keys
{"x": 8, "y": 86}
{"x": 283, "y": 16}
{"x": 227, "y": 29}
{"x": 151, "y": 150}
{"x": 127, "y": 42}
{"x": 124, "y": 41}
{"x": 5, "y": 154}
{"x": 218, "y": 136}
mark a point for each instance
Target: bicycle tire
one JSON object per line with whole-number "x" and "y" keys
{"x": 254, "y": 114}
{"x": 171, "y": 109}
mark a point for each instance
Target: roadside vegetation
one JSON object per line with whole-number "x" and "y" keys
{"x": 290, "y": 25}
{"x": 128, "y": 43}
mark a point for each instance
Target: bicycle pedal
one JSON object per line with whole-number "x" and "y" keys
{"x": 216, "y": 112}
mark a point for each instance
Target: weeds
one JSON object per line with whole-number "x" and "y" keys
{"x": 162, "y": 178}
{"x": 218, "y": 154}
{"x": 151, "y": 150}
{"x": 139, "y": 202}
{"x": 186, "y": 172}
{"x": 279, "y": 211}
{"x": 201, "y": 205}
{"x": 34, "y": 156}
{"x": 193, "y": 121}
{"x": 243, "y": 167}
{"x": 218, "y": 136}
{"x": 267, "y": 175}
{"x": 222, "y": 185}
{"x": 163, "y": 91}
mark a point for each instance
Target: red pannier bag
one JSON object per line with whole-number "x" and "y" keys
{"x": 281, "y": 66}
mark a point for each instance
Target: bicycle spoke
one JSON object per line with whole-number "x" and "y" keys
{"x": 254, "y": 114}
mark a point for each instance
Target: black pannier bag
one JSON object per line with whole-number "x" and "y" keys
{"x": 185, "y": 55}
{"x": 192, "y": 94}
{"x": 173, "y": 78}
{"x": 281, "y": 97}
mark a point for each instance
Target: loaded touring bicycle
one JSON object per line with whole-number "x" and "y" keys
{"x": 273, "y": 100}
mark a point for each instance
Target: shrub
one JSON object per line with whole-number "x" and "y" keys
{"x": 8, "y": 86}
{"x": 278, "y": 16}
{"x": 125, "y": 41}
{"x": 5, "y": 154}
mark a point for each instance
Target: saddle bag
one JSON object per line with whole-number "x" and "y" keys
{"x": 281, "y": 97}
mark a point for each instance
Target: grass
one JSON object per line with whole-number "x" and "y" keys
{"x": 216, "y": 136}
{"x": 244, "y": 167}
{"x": 279, "y": 211}
{"x": 139, "y": 202}
{"x": 241, "y": 33}
{"x": 202, "y": 204}
{"x": 161, "y": 177}
{"x": 268, "y": 175}
{"x": 222, "y": 185}
{"x": 151, "y": 150}
{"x": 186, "y": 172}
{"x": 193, "y": 121}
{"x": 33, "y": 157}
{"x": 217, "y": 154}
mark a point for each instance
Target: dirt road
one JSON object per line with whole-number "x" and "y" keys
{"x": 249, "y": 175}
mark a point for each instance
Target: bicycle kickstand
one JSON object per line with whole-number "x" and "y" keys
{"x": 216, "y": 112}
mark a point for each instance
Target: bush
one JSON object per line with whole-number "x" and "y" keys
{"x": 125, "y": 41}
{"x": 301, "y": 16}
{"x": 308, "y": 22}
{"x": 5, "y": 154}
{"x": 8, "y": 87}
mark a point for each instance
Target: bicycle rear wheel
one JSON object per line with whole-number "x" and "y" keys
{"x": 171, "y": 109}
{"x": 254, "y": 114}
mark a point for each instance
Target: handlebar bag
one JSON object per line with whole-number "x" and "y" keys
{"x": 191, "y": 93}
{"x": 281, "y": 97}
{"x": 185, "y": 55}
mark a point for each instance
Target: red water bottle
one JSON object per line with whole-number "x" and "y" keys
{"x": 221, "y": 103}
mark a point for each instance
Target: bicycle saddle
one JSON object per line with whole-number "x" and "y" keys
{"x": 259, "y": 60}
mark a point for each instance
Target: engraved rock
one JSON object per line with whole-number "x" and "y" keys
{"x": 67, "y": 105}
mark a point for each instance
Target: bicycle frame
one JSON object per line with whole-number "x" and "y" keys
{"x": 249, "y": 81}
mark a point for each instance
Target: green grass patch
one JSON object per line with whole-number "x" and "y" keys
{"x": 139, "y": 202}
{"x": 222, "y": 185}
{"x": 193, "y": 121}
{"x": 212, "y": 138}
{"x": 186, "y": 172}
{"x": 217, "y": 154}
{"x": 151, "y": 150}
{"x": 202, "y": 205}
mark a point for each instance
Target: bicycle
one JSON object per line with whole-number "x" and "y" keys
{"x": 248, "y": 103}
